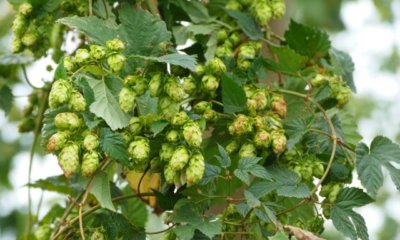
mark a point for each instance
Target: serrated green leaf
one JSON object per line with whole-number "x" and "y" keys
{"x": 210, "y": 173}
{"x": 249, "y": 166}
{"x": 167, "y": 200}
{"x": 147, "y": 104}
{"x": 307, "y": 41}
{"x": 15, "y": 58}
{"x": 394, "y": 175}
{"x": 106, "y": 105}
{"x": 135, "y": 211}
{"x": 210, "y": 229}
{"x": 279, "y": 236}
{"x": 196, "y": 11}
{"x": 260, "y": 189}
{"x": 101, "y": 190}
{"x": 57, "y": 184}
{"x": 247, "y": 23}
{"x": 114, "y": 145}
{"x": 187, "y": 212}
{"x": 233, "y": 96}
{"x": 182, "y": 60}
{"x": 6, "y": 99}
{"x": 223, "y": 158}
{"x": 295, "y": 129}
{"x": 344, "y": 218}
{"x": 142, "y": 31}
{"x": 184, "y": 232}
{"x": 104, "y": 30}
{"x": 343, "y": 65}
{"x": 297, "y": 191}
{"x": 251, "y": 200}
{"x": 370, "y": 162}
{"x": 158, "y": 126}
{"x": 60, "y": 72}
{"x": 242, "y": 175}
{"x": 288, "y": 61}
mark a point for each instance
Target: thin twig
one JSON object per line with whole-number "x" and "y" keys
{"x": 38, "y": 127}
{"x": 162, "y": 231}
{"x": 27, "y": 78}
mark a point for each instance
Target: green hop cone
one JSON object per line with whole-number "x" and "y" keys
{"x": 278, "y": 8}
{"x": 174, "y": 89}
{"x": 225, "y": 50}
{"x": 167, "y": 149}
{"x": 139, "y": 149}
{"x": 215, "y": 66}
{"x": 334, "y": 192}
{"x": 57, "y": 141}
{"x": 97, "y": 52}
{"x": 279, "y": 142}
{"x": 126, "y": 135}
{"x": 210, "y": 115}
{"x": 343, "y": 96}
{"x": 90, "y": 163}
{"x": 116, "y": 62}
{"x": 195, "y": 169}
{"x": 60, "y": 93}
{"x": 209, "y": 84}
{"x": 127, "y": 99}
{"x": 318, "y": 169}
{"x": 251, "y": 105}
{"x": 278, "y": 104}
{"x": 319, "y": 79}
{"x": 77, "y": 102}
{"x": 261, "y": 99}
{"x": 243, "y": 64}
{"x": 30, "y": 38}
{"x": 91, "y": 142}
{"x": 202, "y": 106}
{"x": 16, "y": 45}
{"x": 326, "y": 189}
{"x": 171, "y": 176}
{"x": 136, "y": 83}
{"x": 68, "y": 159}
{"x": 68, "y": 121}
{"x": 97, "y": 235}
{"x": 262, "y": 11}
{"x": 20, "y": 24}
{"x": 222, "y": 35}
{"x": 233, "y": 5}
{"x": 179, "y": 118}
{"x": 273, "y": 122}
{"x": 262, "y": 139}
{"x": 168, "y": 107}
{"x": 173, "y": 136}
{"x": 247, "y": 150}
{"x": 247, "y": 51}
{"x": 155, "y": 84}
{"x": 115, "y": 45}
{"x": 235, "y": 38}
{"x": 25, "y": 9}
{"x": 232, "y": 147}
{"x": 135, "y": 126}
{"x": 200, "y": 69}
{"x": 241, "y": 125}
{"x": 179, "y": 158}
{"x": 192, "y": 134}
{"x": 69, "y": 65}
{"x": 189, "y": 85}
{"x": 82, "y": 56}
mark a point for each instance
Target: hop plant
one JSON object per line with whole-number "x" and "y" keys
{"x": 209, "y": 84}
{"x": 179, "y": 158}
{"x": 173, "y": 136}
{"x": 91, "y": 142}
{"x": 115, "y": 45}
{"x": 82, "y": 56}
{"x": 262, "y": 139}
{"x": 57, "y": 141}
{"x": 179, "y": 118}
{"x": 135, "y": 126}
{"x": 241, "y": 125}
{"x": 195, "y": 169}
{"x": 116, "y": 62}
{"x": 192, "y": 134}
{"x": 139, "y": 149}
{"x": 97, "y": 52}
{"x": 247, "y": 150}
{"x": 279, "y": 142}
{"x": 215, "y": 66}
{"x": 127, "y": 99}
{"x": 171, "y": 176}
{"x": 77, "y": 102}
{"x": 202, "y": 106}
{"x": 68, "y": 159}
{"x": 155, "y": 85}
{"x": 60, "y": 93}
{"x": 68, "y": 121}
{"x": 90, "y": 163}
{"x": 167, "y": 149}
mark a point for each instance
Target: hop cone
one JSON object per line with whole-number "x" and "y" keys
{"x": 68, "y": 159}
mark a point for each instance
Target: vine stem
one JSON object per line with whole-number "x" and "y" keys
{"x": 38, "y": 126}
{"x": 96, "y": 207}
{"x": 333, "y": 137}
{"x": 86, "y": 194}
